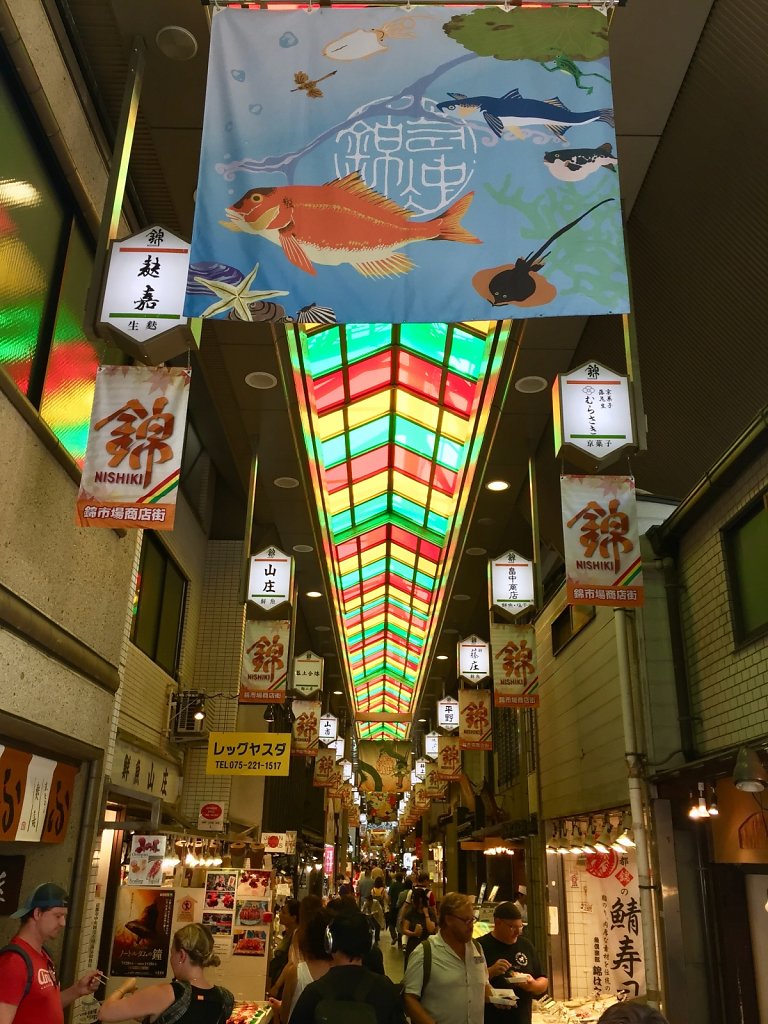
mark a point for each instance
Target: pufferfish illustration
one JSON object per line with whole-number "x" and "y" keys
{"x": 367, "y": 42}
{"x": 343, "y": 221}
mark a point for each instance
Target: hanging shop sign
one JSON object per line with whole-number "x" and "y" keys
{"x": 473, "y": 659}
{"x": 346, "y": 770}
{"x": 328, "y": 728}
{"x": 248, "y": 753}
{"x": 144, "y": 294}
{"x": 270, "y": 578}
{"x": 449, "y": 758}
{"x": 353, "y": 817}
{"x": 421, "y": 798}
{"x": 592, "y": 413}
{"x": 135, "y": 441}
{"x": 305, "y": 730}
{"x": 37, "y": 796}
{"x": 212, "y": 816}
{"x": 602, "y": 547}
{"x": 434, "y": 785}
{"x": 420, "y": 767}
{"x": 384, "y": 767}
{"x": 143, "y": 922}
{"x": 515, "y": 667}
{"x": 145, "y": 866}
{"x": 448, "y": 713}
{"x": 325, "y": 763}
{"x": 145, "y": 773}
{"x": 431, "y": 744}
{"x": 336, "y": 784}
{"x": 446, "y": 249}
{"x": 307, "y": 673}
{"x": 274, "y": 842}
{"x": 263, "y": 669}
{"x": 602, "y": 900}
{"x": 475, "y": 726}
{"x": 511, "y": 583}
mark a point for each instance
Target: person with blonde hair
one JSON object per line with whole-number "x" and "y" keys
{"x": 189, "y": 999}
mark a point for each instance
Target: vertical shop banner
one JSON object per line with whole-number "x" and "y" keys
{"x": 475, "y": 726}
{"x": 353, "y": 816}
{"x": 325, "y": 762}
{"x": 36, "y": 797}
{"x": 602, "y": 546}
{"x": 515, "y": 668}
{"x": 354, "y": 167}
{"x": 604, "y": 925}
{"x": 135, "y": 443}
{"x": 434, "y": 784}
{"x": 511, "y": 583}
{"x": 307, "y": 673}
{"x": 306, "y": 738}
{"x": 449, "y": 758}
{"x": 145, "y": 867}
{"x": 142, "y": 933}
{"x": 421, "y": 798}
{"x": 263, "y": 671}
{"x": 384, "y": 767}
{"x": 473, "y": 659}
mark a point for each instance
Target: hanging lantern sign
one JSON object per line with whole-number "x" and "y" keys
{"x": 346, "y": 770}
{"x": 329, "y": 725}
{"x": 420, "y": 768}
{"x": 473, "y": 659}
{"x": 475, "y": 730}
{"x": 592, "y": 413}
{"x": 338, "y": 747}
{"x": 415, "y": 780}
{"x": 511, "y": 582}
{"x": 270, "y": 578}
{"x": 356, "y": 798}
{"x": 448, "y": 713}
{"x": 430, "y": 744}
{"x": 307, "y": 673}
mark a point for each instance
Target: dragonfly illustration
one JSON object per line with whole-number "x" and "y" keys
{"x": 308, "y": 85}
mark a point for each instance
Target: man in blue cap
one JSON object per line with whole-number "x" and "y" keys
{"x": 29, "y": 988}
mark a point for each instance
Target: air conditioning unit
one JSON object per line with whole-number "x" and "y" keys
{"x": 182, "y": 708}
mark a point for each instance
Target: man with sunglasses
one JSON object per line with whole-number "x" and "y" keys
{"x": 513, "y": 964}
{"x": 455, "y": 986}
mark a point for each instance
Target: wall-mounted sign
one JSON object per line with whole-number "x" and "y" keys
{"x": 511, "y": 582}
{"x": 515, "y": 669}
{"x": 592, "y": 413}
{"x": 306, "y": 722}
{"x": 448, "y": 713}
{"x": 144, "y": 294}
{"x": 602, "y": 546}
{"x": 135, "y": 441}
{"x": 264, "y": 666}
{"x": 35, "y": 797}
{"x": 270, "y": 578}
{"x": 275, "y": 842}
{"x": 137, "y": 769}
{"x": 212, "y": 816}
{"x": 473, "y": 659}
{"x": 307, "y": 673}
{"x": 146, "y": 864}
{"x": 248, "y": 753}
{"x": 475, "y": 725}
{"x": 328, "y": 728}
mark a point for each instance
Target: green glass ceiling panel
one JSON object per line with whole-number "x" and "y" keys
{"x": 426, "y": 340}
{"x": 465, "y": 354}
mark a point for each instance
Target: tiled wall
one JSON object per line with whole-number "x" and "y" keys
{"x": 728, "y": 687}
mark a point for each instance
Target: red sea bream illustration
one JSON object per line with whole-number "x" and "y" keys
{"x": 343, "y": 221}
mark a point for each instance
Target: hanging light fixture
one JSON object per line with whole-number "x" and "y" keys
{"x": 562, "y": 846}
{"x": 603, "y": 842}
{"x": 702, "y": 801}
{"x": 575, "y": 844}
{"x": 586, "y": 845}
{"x": 269, "y": 713}
{"x": 749, "y": 774}
{"x": 627, "y": 835}
{"x": 551, "y": 846}
{"x": 693, "y": 810}
{"x": 713, "y": 809}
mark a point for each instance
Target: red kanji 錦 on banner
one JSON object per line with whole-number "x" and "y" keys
{"x": 514, "y": 666}
{"x": 475, "y": 727}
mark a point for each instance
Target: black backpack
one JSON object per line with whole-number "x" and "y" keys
{"x": 353, "y": 1010}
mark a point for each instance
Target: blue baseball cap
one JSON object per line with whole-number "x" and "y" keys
{"x": 45, "y": 896}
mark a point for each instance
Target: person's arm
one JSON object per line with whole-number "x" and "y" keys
{"x": 148, "y": 1002}
{"x": 499, "y": 967}
{"x": 289, "y": 988}
{"x": 84, "y": 986}
{"x": 536, "y": 986}
{"x": 431, "y": 922}
{"x": 413, "y": 983}
{"x": 7, "y": 1013}
{"x": 415, "y": 1011}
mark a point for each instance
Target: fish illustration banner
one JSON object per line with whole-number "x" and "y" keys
{"x": 135, "y": 443}
{"x": 475, "y": 726}
{"x": 368, "y": 165}
{"x": 384, "y": 767}
{"x": 602, "y": 547}
{"x": 263, "y": 670}
{"x": 515, "y": 668}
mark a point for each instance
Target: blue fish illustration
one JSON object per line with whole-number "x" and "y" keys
{"x": 513, "y": 111}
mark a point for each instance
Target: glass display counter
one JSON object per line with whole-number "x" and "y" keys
{"x": 251, "y": 1013}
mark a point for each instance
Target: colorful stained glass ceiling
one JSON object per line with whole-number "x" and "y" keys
{"x": 394, "y": 417}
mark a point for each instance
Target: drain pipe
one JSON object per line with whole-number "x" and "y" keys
{"x": 636, "y": 802}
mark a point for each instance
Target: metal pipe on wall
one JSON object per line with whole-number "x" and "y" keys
{"x": 636, "y": 803}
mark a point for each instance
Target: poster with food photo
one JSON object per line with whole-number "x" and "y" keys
{"x": 250, "y": 941}
{"x": 146, "y": 864}
{"x": 252, "y": 912}
{"x": 142, "y": 933}
{"x": 255, "y": 885}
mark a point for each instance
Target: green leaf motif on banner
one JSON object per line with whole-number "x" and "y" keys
{"x": 540, "y": 35}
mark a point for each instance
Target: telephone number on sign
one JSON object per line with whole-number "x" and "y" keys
{"x": 250, "y": 766}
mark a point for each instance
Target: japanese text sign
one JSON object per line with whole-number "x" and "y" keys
{"x": 328, "y": 728}
{"x": 305, "y": 730}
{"x": 475, "y": 720}
{"x": 145, "y": 773}
{"x": 602, "y": 547}
{"x": 307, "y": 673}
{"x": 515, "y": 669}
{"x": 434, "y": 785}
{"x": 431, "y": 744}
{"x": 270, "y": 578}
{"x": 511, "y": 582}
{"x": 448, "y": 713}
{"x": 263, "y": 670}
{"x": 449, "y": 758}
{"x": 248, "y": 753}
{"x": 592, "y": 412}
{"x": 146, "y": 284}
{"x": 135, "y": 441}
{"x": 35, "y": 797}
{"x": 325, "y": 763}
{"x": 473, "y": 659}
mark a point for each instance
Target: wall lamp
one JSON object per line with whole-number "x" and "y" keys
{"x": 749, "y": 774}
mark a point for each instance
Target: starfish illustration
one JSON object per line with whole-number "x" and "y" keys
{"x": 236, "y": 296}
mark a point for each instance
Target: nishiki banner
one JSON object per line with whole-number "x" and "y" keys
{"x": 367, "y": 166}
{"x": 515, "y": 669}
{"x": 449, "y": 758}
{"x": 434, "y": 785}
{"x": 475, "y": 725}
{"x": 306, "y": 738}
{"x": 602, "y": 547}
{"x": 135, "y": 442}
{"x": 325, "y": 761}
{"x": 264, "y": 671}
{"x": 604, "y": 925}
{"x": 384, "y": 767}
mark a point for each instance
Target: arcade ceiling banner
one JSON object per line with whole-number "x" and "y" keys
{"x": 384, "y": 767}
{"x": 371, "y": 165}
